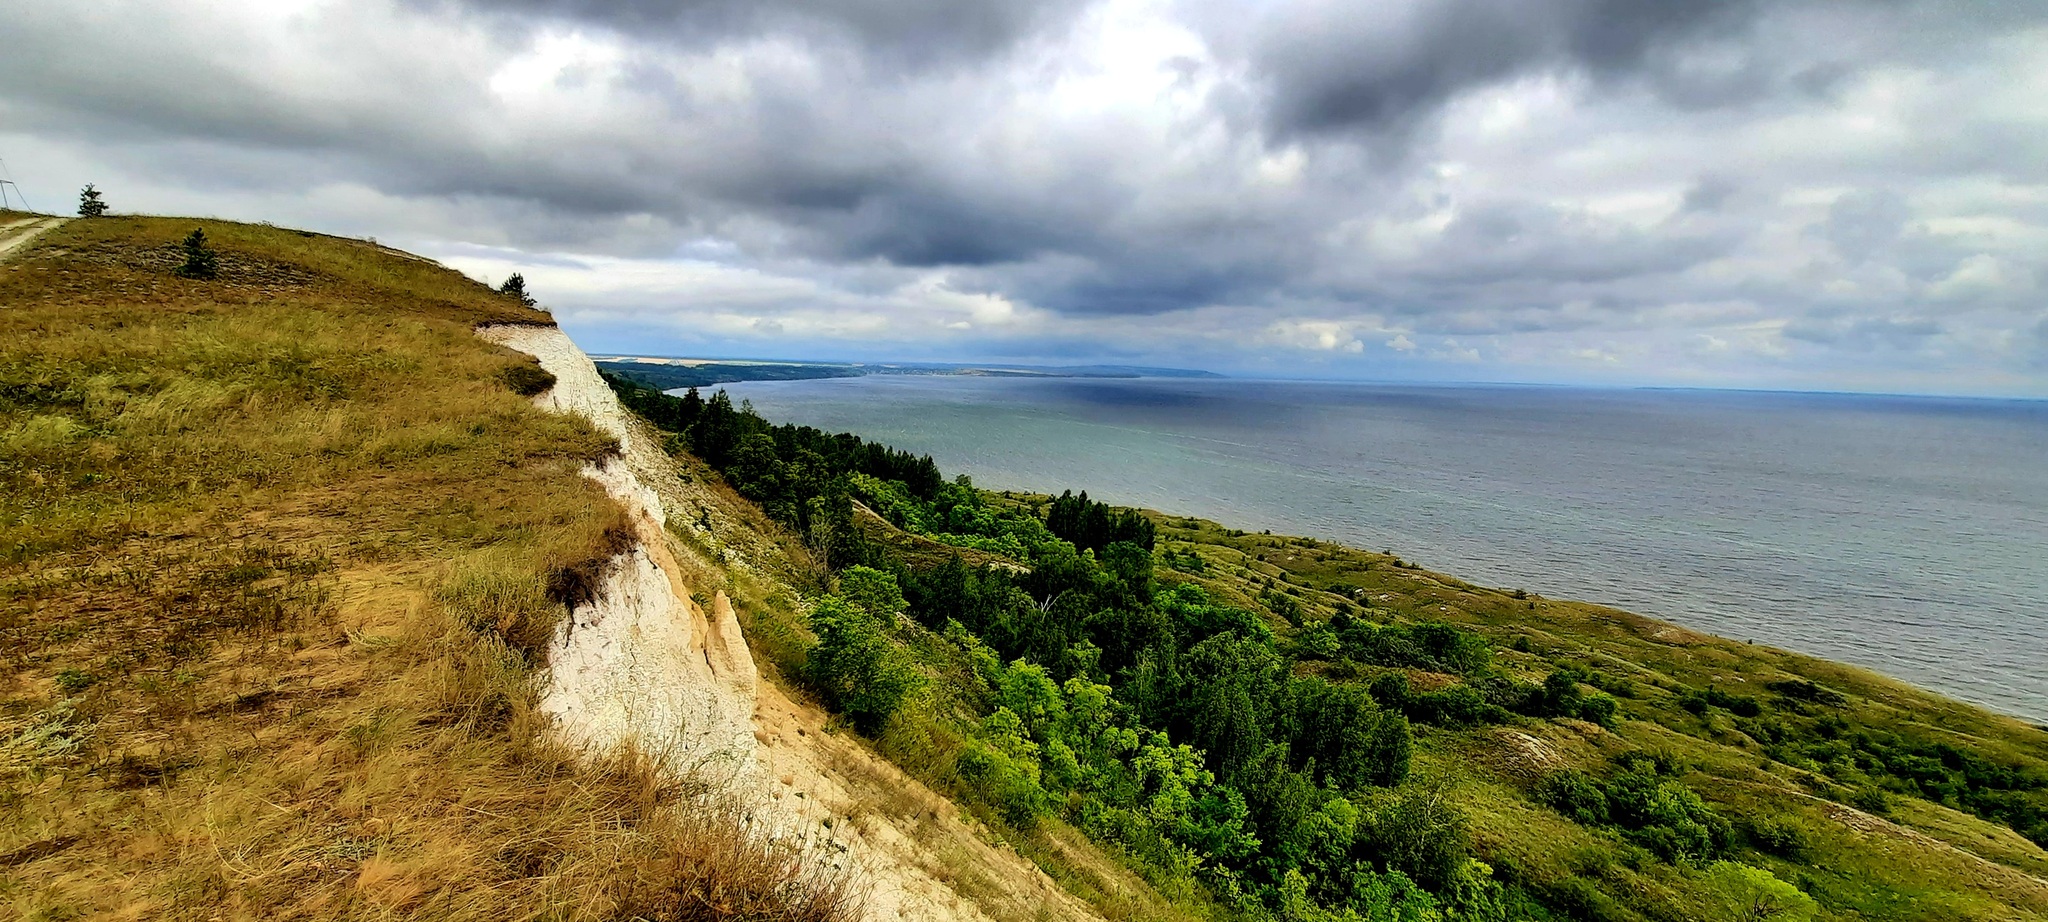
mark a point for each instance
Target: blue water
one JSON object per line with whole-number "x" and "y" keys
{"x": 1901, "y": 534}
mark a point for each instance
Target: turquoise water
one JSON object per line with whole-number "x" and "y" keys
{"x": 1901, "y": 534}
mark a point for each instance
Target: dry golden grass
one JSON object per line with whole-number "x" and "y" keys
{"x": 276, "y": 553}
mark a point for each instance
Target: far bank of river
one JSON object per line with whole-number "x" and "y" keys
{"x": 1899, "y": 534}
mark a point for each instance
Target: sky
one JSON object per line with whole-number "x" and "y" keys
{"x": 1810, "y": 194}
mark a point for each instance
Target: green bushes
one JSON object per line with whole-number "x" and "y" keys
{"x": 855, "y": 667}
{"x": 1559, "y": 696}
{"x": 1418, "y": 834}
{"x": 1777, "y": 836}
{"x": 1749, "y": 894}
{"x": 1344, "y": 734}
{"x": 1646, "y": 804}
{"x": 1186, "y": 561}
{"x": 1000, "y": 766}
{"x": 1698, "y": 701}
{"x": 1573, "y": 793}
{"x": 526, "y": 379}
{"x": 1871, "y": 762}
{"x": 1431, "y": 645}
{"x": 1807, "y": 691}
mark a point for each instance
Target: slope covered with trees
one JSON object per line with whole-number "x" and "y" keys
{"x": 1276, "y": 727}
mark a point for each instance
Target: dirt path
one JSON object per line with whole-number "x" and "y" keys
{"x": 16, "y": 234}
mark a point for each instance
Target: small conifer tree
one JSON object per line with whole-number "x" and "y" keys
{"x": 200, "y": 260}
{"x": 89, "y": 204}
{"x": 515, "y": 288}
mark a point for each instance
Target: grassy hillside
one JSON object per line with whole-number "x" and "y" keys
{"x": 276, "y": 551}
{"x": 1355, "y": 736}
{"x": 1863, "y": 843}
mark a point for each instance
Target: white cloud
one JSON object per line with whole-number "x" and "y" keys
{"x": 1314, "y": 336}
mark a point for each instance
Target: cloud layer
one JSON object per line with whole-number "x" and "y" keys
{"x": 1815, "y": 193}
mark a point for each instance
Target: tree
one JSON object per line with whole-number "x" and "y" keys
{"x": 89, "y": 204}
{"x": 1420, "y": 835}
{"x": 860, "y": 673}
{"x": 1230, "y": 688}
{"x": 1349, "y": 739}
{"x": 200, "y": 260}
{"x": 515, "y": 288}
{"x": 1750, "y": 894}
{"x": 873, "y": 590}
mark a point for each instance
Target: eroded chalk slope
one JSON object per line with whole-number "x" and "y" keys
{"x": 644, "y": 664}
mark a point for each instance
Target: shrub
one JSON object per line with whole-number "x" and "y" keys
{"x": 874, "y": 591}
{"x": 1575, "y": 795}
{"x": 1776, "y": 836}
{"x": 1740, "y": 705}
{"x": 74, "y": 681}
{"x": 855, "y": 667}
{"x": 1598, "y": 708}
{"x": 1474, "y": 895}
{"x": 1420, "y": 835}
{"x": 1392, "y": 691}
{"x": 1317, "y": 642}
{"x": 1001, "y": 767}
{"x": 1748, "y": 894}
{"x": 526, "y": 379}
{"x": 1870, "y": 800}
{"x": 1665, "y": 816}
{"x": 1456, "y": 706}
{"x": 1804, "y": 690}
{"x": 200, "y": 260}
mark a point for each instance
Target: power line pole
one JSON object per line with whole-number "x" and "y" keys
{"x": 9, "y": 181}
{"x": 4, "y": 183}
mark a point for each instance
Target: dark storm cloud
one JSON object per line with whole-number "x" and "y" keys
{"x": 1538, "y": 243}
{"x": 907, "y": 31}
{"x": 1865, "y": 334}
{"x": 1854, "y": 173}
{"x": 1335, "y": 65}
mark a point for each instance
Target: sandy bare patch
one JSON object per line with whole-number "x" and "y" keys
{"x": 17, "y": 234}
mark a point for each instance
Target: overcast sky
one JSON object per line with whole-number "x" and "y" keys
{"x": 1796, "y": 193}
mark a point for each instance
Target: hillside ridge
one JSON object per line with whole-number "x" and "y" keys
{"x": 640, "y": 657}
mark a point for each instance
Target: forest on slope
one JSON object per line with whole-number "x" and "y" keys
{"x": 1274, "y": 727}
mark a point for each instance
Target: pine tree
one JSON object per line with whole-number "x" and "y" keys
{"x": 89, "y": 204}
{"x": 200, "y": 260}
{"x": 515, "y": 288}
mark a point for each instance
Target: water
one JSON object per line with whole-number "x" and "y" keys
{"x": 1901, "y": 534}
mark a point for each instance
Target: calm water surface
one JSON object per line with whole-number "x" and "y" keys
{"x": 1902, "y": 534}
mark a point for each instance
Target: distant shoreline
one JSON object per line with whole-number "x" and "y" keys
{"x": 666, "y": 373}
